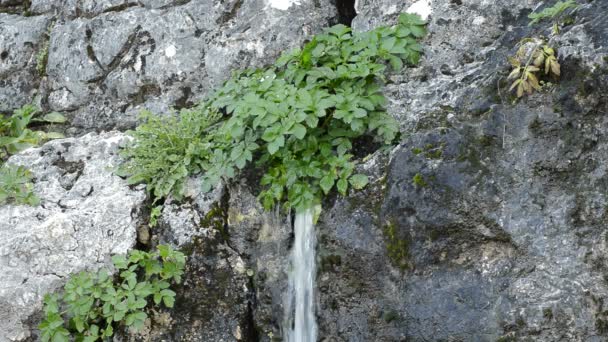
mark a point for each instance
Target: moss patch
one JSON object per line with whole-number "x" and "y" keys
{"x": 418, "y": 181}
{"x": 216, "y": 218}
{"x": 397, "y": 247}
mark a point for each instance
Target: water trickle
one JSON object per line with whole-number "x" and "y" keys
{"x": 301, "y": 325}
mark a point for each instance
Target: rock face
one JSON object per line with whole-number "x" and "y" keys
{"x": 490, "y": 222}
{"x": 109, "y": 59}
{"x": 236, "y": 272}
{"x": 485, "y": 223}
{"x": 21, "y": 39}
{"x": 86, "y": 214}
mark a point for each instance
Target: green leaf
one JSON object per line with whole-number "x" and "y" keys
{"x": 299, "y": 131}
{"x": 54, "y": 117}
{"x": 120, "y": 261}
{"x": 358, "y": 181}
{"x": 169, "y": 301}
{"x": 342, "y": 186}
{"x": 327, "y": 182}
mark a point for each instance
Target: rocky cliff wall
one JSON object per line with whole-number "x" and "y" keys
{"x": 486, "y": 223}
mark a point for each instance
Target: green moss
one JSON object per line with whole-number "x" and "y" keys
{"x": 436, "y": 119}
{"x": 431, "y": 151}
{"x": 601, "y": 325}
{"x": 547, "y": 313}
{"x": 330, "y": 262}
{"x": 390, "y": 316}
{"x": 418, "y": 181}
{"x": 216, "y": 218}
{"x": 486, "y": 140}
{"x": 397, "y": 247}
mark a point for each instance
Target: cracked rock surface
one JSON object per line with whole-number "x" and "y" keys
{"x": 488, "y": 221}
{"x": 86, "y": 214}
{"x": 110, "y": 59}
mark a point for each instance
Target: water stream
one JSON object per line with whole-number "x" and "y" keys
{"x": 302, "y": 327}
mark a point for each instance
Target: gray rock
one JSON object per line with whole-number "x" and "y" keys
{"x": 236, "y": 271}
{"x": 501, "y": 236}
{"x": 21, "y": 39}
{"x": 86, "y": 214}
{"x": 114, "y": 58}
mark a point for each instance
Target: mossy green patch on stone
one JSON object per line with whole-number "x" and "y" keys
{"x": 418, "y": 181}
{"x": 216, "y": 218}
{"x": 397, "y": 247}
{"x": 436, "y": 119}
{"x": 330, "y": 262}
{"x": 390, "y": 316}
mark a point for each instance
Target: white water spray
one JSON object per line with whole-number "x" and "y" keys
{"x": 301, "y": 294}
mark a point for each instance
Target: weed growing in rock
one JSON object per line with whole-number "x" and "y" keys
{"x": 536, "y": 57}
{"x": 527, "y": 66}
{"x": 298, "y": 117}
{"x": 14, "y": 137}
{"x": 16, "y": 185}
{"x": 556, "y": 13}
{"x": 41, "y": 59}
{"x": 167, "y": 149}
{"x": 93, "y": 303}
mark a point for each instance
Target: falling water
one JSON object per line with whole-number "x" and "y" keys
{"x": 303, "y": 328}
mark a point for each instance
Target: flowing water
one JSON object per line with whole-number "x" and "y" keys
{"x": 302, "y": 327}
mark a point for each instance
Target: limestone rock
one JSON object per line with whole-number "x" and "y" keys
{"x": 86, "y": 214}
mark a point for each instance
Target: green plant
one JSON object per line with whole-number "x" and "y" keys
{"x": 42, "y": 58}
{"x": 166, "y": 149}
{"x": 15, "y": 181}
{"x": 93, "y": 303}
{"x": 418, "y": 181}
{"x": 554, "y": 12}
{"x": 14, "y": 134}
{"x": 526, "y": 69}
{"x": 16, "y": 185}
{"x": 299, "y": 119}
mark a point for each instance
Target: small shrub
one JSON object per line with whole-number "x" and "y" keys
{"x": 527, "y": 69}
{"x": 93, "y": 304}
{"x": 298, "y": 117}
{"x": 166, "y": 149}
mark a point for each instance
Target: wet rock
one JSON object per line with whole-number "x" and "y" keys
{"x": 236, "y": 269}
{"x": 86, "y": 214}
{"x": 489, "y": 223}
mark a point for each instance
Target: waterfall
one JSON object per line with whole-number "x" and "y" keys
{"x": 302, "y": 327}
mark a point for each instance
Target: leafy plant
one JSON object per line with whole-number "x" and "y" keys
{"x": 526, "y": 76}
{"x": 15, "y": 136}
{"x": 166, "y": 149}
{"x": 15, "y": 181}
{"x": 16, "y": 185}
{"x": 297, "y": 118}
{"x": 93, "y": 304}
{"x": 554, "y": 12}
